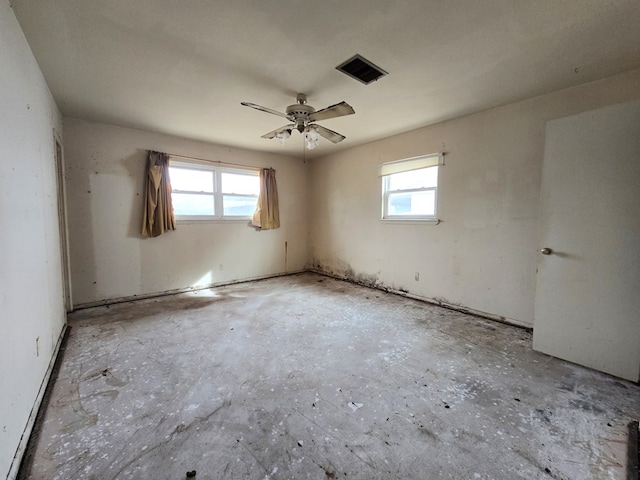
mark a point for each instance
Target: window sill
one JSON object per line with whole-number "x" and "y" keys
{"x": 200, "y": 220}
{"x": 412, "y": 221}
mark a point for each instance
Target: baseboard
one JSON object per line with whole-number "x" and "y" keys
{"x": 633, "y": 454}
{"x": 133, "y": 298}
{"x": 35, "y": 410}
{"x": 433, "y": 301}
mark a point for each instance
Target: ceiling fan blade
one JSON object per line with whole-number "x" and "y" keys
{"x": 337, "y": 110}
{"x": 264, "y": 109}
{"x": 330, "y": 135}
{"x": 279, "y": 130}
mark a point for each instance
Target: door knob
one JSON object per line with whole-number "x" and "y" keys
{"x": 546, "y": 251}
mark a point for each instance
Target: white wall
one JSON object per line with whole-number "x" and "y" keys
{"x": 110, "y": 259}
{"x": 31, "y": 297}
{"x": 483, "y": 255}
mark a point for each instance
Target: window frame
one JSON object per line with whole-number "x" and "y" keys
{"x": 387, "y": 170}
{"x": 218, "y": 195}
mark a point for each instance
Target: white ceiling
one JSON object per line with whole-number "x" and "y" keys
{"x": 183, "y": 67}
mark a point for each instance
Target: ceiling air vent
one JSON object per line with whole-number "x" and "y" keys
{"x": 361, "y": 69}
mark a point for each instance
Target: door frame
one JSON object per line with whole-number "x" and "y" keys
{"x": 63, "y": 230}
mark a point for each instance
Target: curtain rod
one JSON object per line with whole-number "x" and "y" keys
{"x": 213, "y": 161}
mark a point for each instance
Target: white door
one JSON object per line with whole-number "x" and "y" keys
{"x": 587, "y": 307}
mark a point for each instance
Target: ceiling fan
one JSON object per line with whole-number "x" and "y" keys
{"x": 303, "y": 117}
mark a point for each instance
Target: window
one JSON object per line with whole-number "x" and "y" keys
{"x": 239, "y": 193}
{"x": 410, "y": 187}
{"x": 193, "y": 190}
{"x": 203, "y": 191}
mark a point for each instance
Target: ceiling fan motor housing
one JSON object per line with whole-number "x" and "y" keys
{"x": 299, "y": 114}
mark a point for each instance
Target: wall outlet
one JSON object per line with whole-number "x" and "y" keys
{"x": 221, "y": 267}
{"x": 417, "y": 276}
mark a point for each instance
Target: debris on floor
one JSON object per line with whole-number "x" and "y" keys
{"x": 253, "y": 385}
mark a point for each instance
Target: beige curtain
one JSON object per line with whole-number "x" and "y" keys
{"x": 267, "y": 215}
{"x": 157, "y": 217}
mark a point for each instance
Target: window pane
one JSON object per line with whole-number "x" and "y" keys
{"x": 240, "y": 184}
{"x": 423, "y": 178}
{"x": 191, "y": 179}
{"x": 190, "y": 204}
{"x": 412, "y": 203}
{"x": 238, "y": 206}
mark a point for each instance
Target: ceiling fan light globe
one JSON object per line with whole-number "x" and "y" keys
{"x": 283, "y": 136}
{"x": 312, "y": 134}
{"x": 311, "y": 137}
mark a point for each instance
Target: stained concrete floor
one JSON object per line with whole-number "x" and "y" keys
{"x": 308, "y": 377}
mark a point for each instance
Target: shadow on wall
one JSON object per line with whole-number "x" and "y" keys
{"x": 135, "y": 166}
{"x": 101, "y": 198}
{"x": 81, "y": 234}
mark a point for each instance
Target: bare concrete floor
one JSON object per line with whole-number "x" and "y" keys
{"x": 309, "y": 377}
